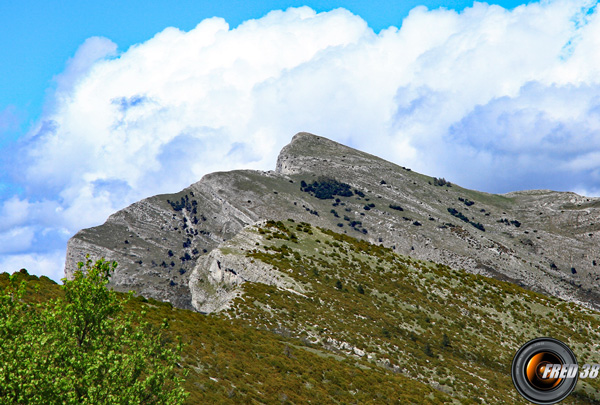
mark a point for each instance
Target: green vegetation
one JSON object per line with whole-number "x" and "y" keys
{"x": 441, "y": 182}
{"x": 184, "y": 204}
{"x": 450, "y": 329}
{"x": 326, "y": 188}
{"x": 456, "y": 213}
{"x": 370, "y": 326}
{"x": 466, "y": 201}
{"x": 510, "y": 222}
{"x": 226, "y": 361}
{"x": 81, "y": 348}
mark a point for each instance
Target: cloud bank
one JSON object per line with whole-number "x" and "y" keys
{"x": 491, "y": 99}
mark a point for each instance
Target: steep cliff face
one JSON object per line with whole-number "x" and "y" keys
{"x": 157, "y": 241}
{"x": 547, "y": 241}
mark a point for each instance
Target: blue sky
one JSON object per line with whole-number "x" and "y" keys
{"x": 105, "y": 103}
{"x": 38, "y": 37}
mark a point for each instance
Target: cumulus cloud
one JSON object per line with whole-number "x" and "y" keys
{"x": 90, "y": 52}
{"x": 50, "y": 264}
{"x": 543, "y": 137}
{"x": 489, "y": 98}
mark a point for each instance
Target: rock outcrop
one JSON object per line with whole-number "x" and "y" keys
{"x": 215, "y": 280}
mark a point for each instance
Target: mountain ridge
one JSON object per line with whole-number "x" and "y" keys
{"x": 543, "y": 240}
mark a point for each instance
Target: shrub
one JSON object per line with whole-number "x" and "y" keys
{"x": 445, "y": 341}
{"x": 467, "y": 202}
{"x": 454, "y": 212}
{"x": 82, "y": 348}
{"x": 477, "y": 225}
{"x": 462, "y": 217}
{"x": 441, "y": 182}
{"x": 325, "y": 188}
{"x": 427, "y": 350}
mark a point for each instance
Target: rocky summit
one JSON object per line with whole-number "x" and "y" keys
{"x": 184, "y": 248}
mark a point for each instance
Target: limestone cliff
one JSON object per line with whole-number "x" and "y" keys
{"x": 215, "y": 280}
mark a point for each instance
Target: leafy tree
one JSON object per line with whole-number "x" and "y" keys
{"x": 82, "y": 348}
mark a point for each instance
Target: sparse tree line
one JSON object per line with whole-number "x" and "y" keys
{"x": 510, "y": 222}
{"x": 456, "y": 213}
{"x": 441, "y": 182}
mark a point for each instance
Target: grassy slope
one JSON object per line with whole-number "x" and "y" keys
{"x": 398, "y": 321}
{"x": 406, "y": 309}
{"x": 230, "y": 362}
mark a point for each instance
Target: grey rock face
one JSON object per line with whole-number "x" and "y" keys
{"x": 214, "y": 281}
{"x": 544, "y": 240}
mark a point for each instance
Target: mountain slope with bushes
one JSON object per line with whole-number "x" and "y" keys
{"x": 342, "y": 320}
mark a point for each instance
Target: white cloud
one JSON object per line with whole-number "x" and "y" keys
{"x": 489, "y": 98}
{"x": 14, "y": 212}
{"x": 50, "y": 264}
{"x": 16, "y": 240}
{"x": 543, "y": 137}
{"x": 90, "y": 52}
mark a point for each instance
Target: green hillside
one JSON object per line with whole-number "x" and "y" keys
{"x": 372, "y": 327}
{"x": 455, "y": 331}
{"x": 230, "y": 362}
